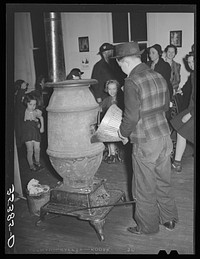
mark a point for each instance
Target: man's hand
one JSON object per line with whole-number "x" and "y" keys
{"x": 123, "y": 139}
{"x": 186, "y": 117}
{"x": 99, "y": 100}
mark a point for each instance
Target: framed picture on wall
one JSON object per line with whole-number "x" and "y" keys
{"x": 176, "y": 38}
{"x": 83, "y": 44}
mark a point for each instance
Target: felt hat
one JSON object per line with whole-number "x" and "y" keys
{"x": 156, "y": 47}
{"x": 75, "y": 72}
{"x": 104, "y": 47}
{"x": 127, "y": 49}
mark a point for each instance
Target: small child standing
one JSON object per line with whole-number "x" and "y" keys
{"x": 33, "y": 125}
{"x": 112, "y": 87}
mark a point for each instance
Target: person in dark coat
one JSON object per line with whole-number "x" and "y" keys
{"x": 183, "y": 95}
{"x": 20, "y": 90}
{"x": 39, "y": 92}
{"x": 158, "y": 64}
{"x": 102, "y": 72}
{"x": 183, "y": 123}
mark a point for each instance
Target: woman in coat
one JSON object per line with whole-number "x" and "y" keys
{"x": 183, "y": 123}
{"x": 158, "y": 64}
{"x": 175, "y": 79}
{"x": 20, "y": 90}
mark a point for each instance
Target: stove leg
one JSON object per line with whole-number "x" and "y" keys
{"x": 42, "y": 217}
{"x": 98, "y": 226}
{"x": 123, "y": 198}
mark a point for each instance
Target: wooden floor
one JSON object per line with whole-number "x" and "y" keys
{"x": 68, "y": 235}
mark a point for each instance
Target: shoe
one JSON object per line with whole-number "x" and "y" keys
{"x": 177, "y": 166}
{"x": 134, "y": 230}
{"x": 111, "y": 159}
{"x": 119, "y": 158}
{"x": 38, "y": 167}
{"x": 170, "y": 225}
{"x": 33, "y": 168}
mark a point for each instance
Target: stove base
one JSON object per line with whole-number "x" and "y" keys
{"x": 78, "y": 204}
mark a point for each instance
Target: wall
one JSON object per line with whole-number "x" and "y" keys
{"x": 97, "y": 26}
{"x": 160, "y": 24}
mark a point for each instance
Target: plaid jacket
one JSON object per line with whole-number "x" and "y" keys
{"x": 146, "y": 99}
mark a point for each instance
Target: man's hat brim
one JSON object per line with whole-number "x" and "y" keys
{"x": 130, "y": 54}
{"x": 103, "y": 51}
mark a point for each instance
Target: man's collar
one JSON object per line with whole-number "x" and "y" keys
{"x": 139, "y": 68}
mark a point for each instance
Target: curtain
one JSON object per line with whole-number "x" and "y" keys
{"x": 17, "y": 178}
{"x": 23, "y": 48}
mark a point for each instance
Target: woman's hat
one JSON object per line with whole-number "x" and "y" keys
{"x": 75, "y": 72}
{"x": 191, "y": 53}
{"x": 104, "y": 47}
{"x": 127, "y": 49}
{"x": 156, "y": 47}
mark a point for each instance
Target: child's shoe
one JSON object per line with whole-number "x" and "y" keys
{"x": 177, "y": 166}
{"x": 38, "y": 166}
{"x": 33, "y": 168}
{"x": 118, "y": 157}
{"x": 105, "y": 156}
{"x": 111, "y": 159}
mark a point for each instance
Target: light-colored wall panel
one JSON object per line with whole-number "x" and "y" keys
{"x": 24, "y": 63}
{"x": 96, "y": 26}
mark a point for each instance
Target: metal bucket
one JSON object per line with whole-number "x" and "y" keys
{"x": 35, "y": 202}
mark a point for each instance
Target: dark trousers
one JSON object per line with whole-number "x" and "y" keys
{"x": 151, "y": 184}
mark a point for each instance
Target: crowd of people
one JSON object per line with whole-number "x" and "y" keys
{"x": 148, "y": 94}
{"x": 105, "y": 71}
{"x": 145, "y": 93}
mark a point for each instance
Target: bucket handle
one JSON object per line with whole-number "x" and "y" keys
{"x": 98, "y": 117}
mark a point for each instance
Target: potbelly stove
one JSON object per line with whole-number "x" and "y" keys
{"x": 72, "y": 120}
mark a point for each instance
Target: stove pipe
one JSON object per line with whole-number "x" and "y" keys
{"x": 54, "y": 45}
{"x": 72, "y": 118}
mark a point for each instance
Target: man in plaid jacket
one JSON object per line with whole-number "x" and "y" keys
{"x": 146, "y": 99}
